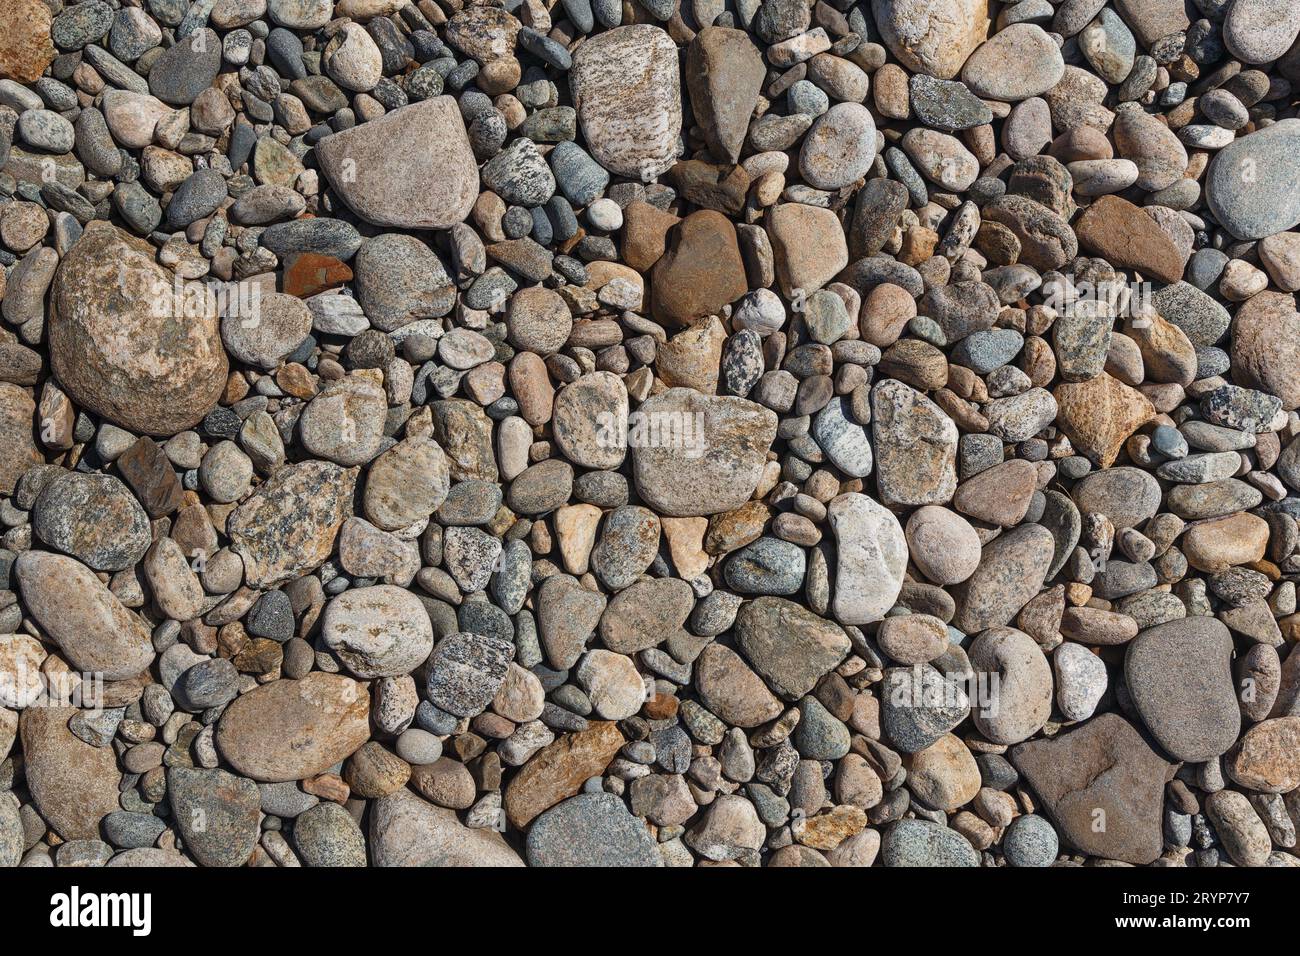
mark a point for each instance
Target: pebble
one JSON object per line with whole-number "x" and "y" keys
{"x": 1248, "y": 184}
{"x": 366, "y": 162}
{"x": 839, "y": 148}
{"x": 591, "y": 829}
{"x": 1179, "y": 677}
{"x": 627, "y": 90}
{"x": 168, "y": 376}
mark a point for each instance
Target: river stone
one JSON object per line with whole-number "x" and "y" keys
{"x": 839, "y": 148}
{"x": 589, "y": 418}
{"x": 916, "y": 842}
{"x": 731, "y": 690}
{"x": 407, "y": 483}
{"x": 734, "y": 436}
{"x": 1260, "y": 31}
{"x": 1179, "y": 676}
{"x": 871, "y": 558}
{"x": 73, "y": 784}
{"x": 918, "y": 705}
{"x": 842, "y": 439}
{"x": 559, "y": 770}
{"x": 626, "y": 87}
{"x": 943, "y": 544}
{"x": 112, "y": 350}
{"x": 787, "y": 644}
{"x": 380, "y": 631}
{"x": 567, "y": 614}
{"x": 293, "y": 729}
{"x": 399, "y": 279}
{"x": 408, "y": 831}
{"x": 1253, "y": 185}
{"x": 1100, "y": 414}
{"x": 326, "y": 835}
{"x": 1022, "y": 697}
{"x": 18, "y": 449}
{"x": 89, "y": 624}
{"x": 1202, "y": 319}
{"x": 591, "y": 829}
{"x": 944, "y": 775}
{"x": 701, "y": 272}
{"x": 1080, "y": 680}
{"x": 287, "y": 528}
{"x": 645, "y": 614}
{"x": 932, "y": 37}
{"x": 412, "y": 168}
{"x": 916, "y": 447}
{"x": 93, "y": 518}
{"x": 344, "y": 422}
{"x": 186, "y": 69}
{"x": 1267, "y": 758}
{"x": 217, "y": 813}
{"x": 1011, "y": 572}
{"x": 464, "y": 433}
{"x": 1266, "y": 346}
{"x": 1020, "y": 61}
{"x": 1127, "y": 496}
{"x": 724, "y": 75}
{"x": 25, "y": 46}
{"x": 268, "y": 336}
{"x": 466, "y": 671}
{"x": 1103, "y": 787}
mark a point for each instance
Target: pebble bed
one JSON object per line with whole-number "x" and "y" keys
{"x": 585, "y": 432}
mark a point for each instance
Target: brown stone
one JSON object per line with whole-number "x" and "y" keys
{"x": 1167, "y": 354}
{"x": 310, "y": 273}
{"x": 724, "y": 76}
{"x": 1127, "y": 238}
{"x": 117, "y": 352}
{"x": 1220, "y": 543}
{"x": 1102, "y": 785}
{"x": 145, "y": 468}
{"x": 700, "y": 273}
{"x": 559, "y": 770}
{"x": 736, "y": 528}
{"x": 808, "y": 246}
{"x": 25, "y": 46}
{"x": 291, "y": 729}
{"x": 645, "y": 234}
{"x": 1266, "y": 346}
{"x": 1267, "y": 758}
{"x": 1098, "y": 415}
{"x": 691, "y": 358}
{"x": 18, "y": 450}
{"x": 999, "y": 495}
{"x": 731, "y": 690}
{"x": 712, "y": 186}
{"x": 73, "y": 784}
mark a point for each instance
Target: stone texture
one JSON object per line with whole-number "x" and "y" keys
{"x": 412, "y": 168}
{"x": 115, "y": 354}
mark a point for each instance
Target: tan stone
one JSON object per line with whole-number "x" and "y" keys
{"x": 291, "y": 729}
{"x": 1098, "y": 415}
{"x": 559, "y": 770}
{"x": 808, "y": 246}
{"x": 700, "y": 273}
{"x": 25, "y": 45}
{"x": 1220, "y": 543}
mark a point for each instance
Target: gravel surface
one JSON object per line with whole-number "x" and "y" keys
{"x": 761, "y": 433}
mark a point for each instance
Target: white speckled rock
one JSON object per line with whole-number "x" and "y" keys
{"x": 932, "y": 36}
{"x": 871, "y": 558}
{"x": 626, "y": 86}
